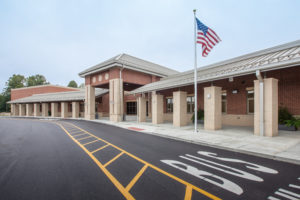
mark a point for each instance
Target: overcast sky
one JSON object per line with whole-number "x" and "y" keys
{"x": 59, "y": 39}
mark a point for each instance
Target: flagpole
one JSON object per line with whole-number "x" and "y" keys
{"x": 195, "y": 76}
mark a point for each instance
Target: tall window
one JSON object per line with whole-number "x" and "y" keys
{"x": 169, "y": 103}
{"x": 250, "y": 101}
{"x": 190, "y": 100}
{"x": 224, "y": 102}
{"x": 131, "y": 108}
{"x": 81, "y": 107}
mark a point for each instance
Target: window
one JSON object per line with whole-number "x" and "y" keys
{"x": 131, "y": 108}
{"x": 190, "y": 100}
{"x": 224, "y": 102}
{"x": 70, "y": 107}
{"x": 81, "y": 107}
{"x": 250, "y": 101}
{"x": 169, "y": 103}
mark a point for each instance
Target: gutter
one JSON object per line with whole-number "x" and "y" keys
{"x": 261, "y": 103}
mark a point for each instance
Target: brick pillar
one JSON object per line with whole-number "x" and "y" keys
{"x": 29, "y": 109}
{"x": 75, "y": 109}
{"x": 89, "y": 102}
{"x": 54, "y": 109}
{"x": 45, "y": 109}
{"x": 115, "y": 100}
{"x": 157, "y": 109}
{"x": 64, "y": 109}
{"x": 141, "y": 108}
{"x": 212, "y": 108}
{"x": 179, "y": 108}
{"x": 36, "y": 109}
{"x": 22, "y": 109}
{"x": 270, "y": 107}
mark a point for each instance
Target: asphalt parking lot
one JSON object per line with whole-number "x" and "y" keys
{"x": 42, "y": 159}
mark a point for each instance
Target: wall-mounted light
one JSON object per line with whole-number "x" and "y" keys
{"x": 235, "y": 91}
{"x": 230, "y": 79}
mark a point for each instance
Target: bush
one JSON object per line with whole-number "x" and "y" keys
{"x": 200, "y": 115}
{"x": 284, "y": 115}
{"x": 293, "y": 122}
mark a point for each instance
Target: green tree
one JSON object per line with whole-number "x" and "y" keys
{"x": 72, "y": 84}
{"x": 15, "y": 81}
{"x": 36, "y": 80}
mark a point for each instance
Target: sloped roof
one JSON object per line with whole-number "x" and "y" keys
{"x": 286, "y": 55}
{"x": 59, "y": 96}
{"x": 132, "y": 63}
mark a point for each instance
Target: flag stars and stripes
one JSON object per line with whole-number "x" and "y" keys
{"x": 206, "y": 37}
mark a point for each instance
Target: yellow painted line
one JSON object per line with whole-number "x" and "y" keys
{"x": 118, "y": 185}
{"x": 90, "y": 142}
{"x": 156, "y": 168}
{"x": 84, "y": 137}
{"x": 100, "y": 148}
{"x": 78, "y": 134}
{"x": 112, "y": 160}
{"x": 136, "y": 178}
{"x": 188, "y": 193}
{"x": 75, "y": 132}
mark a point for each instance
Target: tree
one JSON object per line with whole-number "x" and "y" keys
{"x": 15, "y": 81}
{"x": 72, "y": 84}
{"x": 18, "y": 81}
{"x": 36, "y": 80}
{"x": 82, "y": 85}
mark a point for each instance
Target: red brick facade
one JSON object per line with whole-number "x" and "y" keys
{"x": 29, "y": 91}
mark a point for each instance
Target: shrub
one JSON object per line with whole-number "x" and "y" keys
{"x": 293, "y": 122}
{"x": 200, "y": 115}
{"x": 283, "y": 115}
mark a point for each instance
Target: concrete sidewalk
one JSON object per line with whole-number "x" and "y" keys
{"x": 285, "y": 147}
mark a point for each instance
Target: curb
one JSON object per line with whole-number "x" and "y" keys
{"x": 273, "y": 157}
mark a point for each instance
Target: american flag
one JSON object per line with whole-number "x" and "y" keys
{"x": 207, "y": 37}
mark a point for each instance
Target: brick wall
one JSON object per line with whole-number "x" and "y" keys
{"x": 29, "y": 91}
{"x": 288, "y": 90}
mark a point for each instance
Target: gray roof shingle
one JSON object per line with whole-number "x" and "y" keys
{"x": 132, "y": 63}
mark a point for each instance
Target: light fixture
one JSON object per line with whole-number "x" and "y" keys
{"x": 235, "y": 91}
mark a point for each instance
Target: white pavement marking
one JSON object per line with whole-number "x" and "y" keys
{"x": 253, "y": 167}
{"x": 286, "y": 196}
{"x": 294, "y": 186}
{"x": 222, "y": 182}
{"x": 289, "y": 192}
{"x": 232, "y": 171}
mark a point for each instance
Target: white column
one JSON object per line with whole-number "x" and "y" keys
{"x": 141, "y": 108}
{"x": 179, "y": 108}
{"x": 64, "y": 109}
{"x": 270, "y": 107}
{"x": 54, "y": 109}
{"x": 89, "y": 102}
{"x": 36, "y": 110}
{"x": 75, "y": 109}
{"x": 157, "y": 109}
{"x": 212, "y": 108}
{"x": 29, "y": 109}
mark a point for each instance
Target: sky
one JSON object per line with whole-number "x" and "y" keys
{"x": 59, "y": 39}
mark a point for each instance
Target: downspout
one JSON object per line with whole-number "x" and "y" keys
{"x": 261, "y": 103}
{"x": 121, "y": 93}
